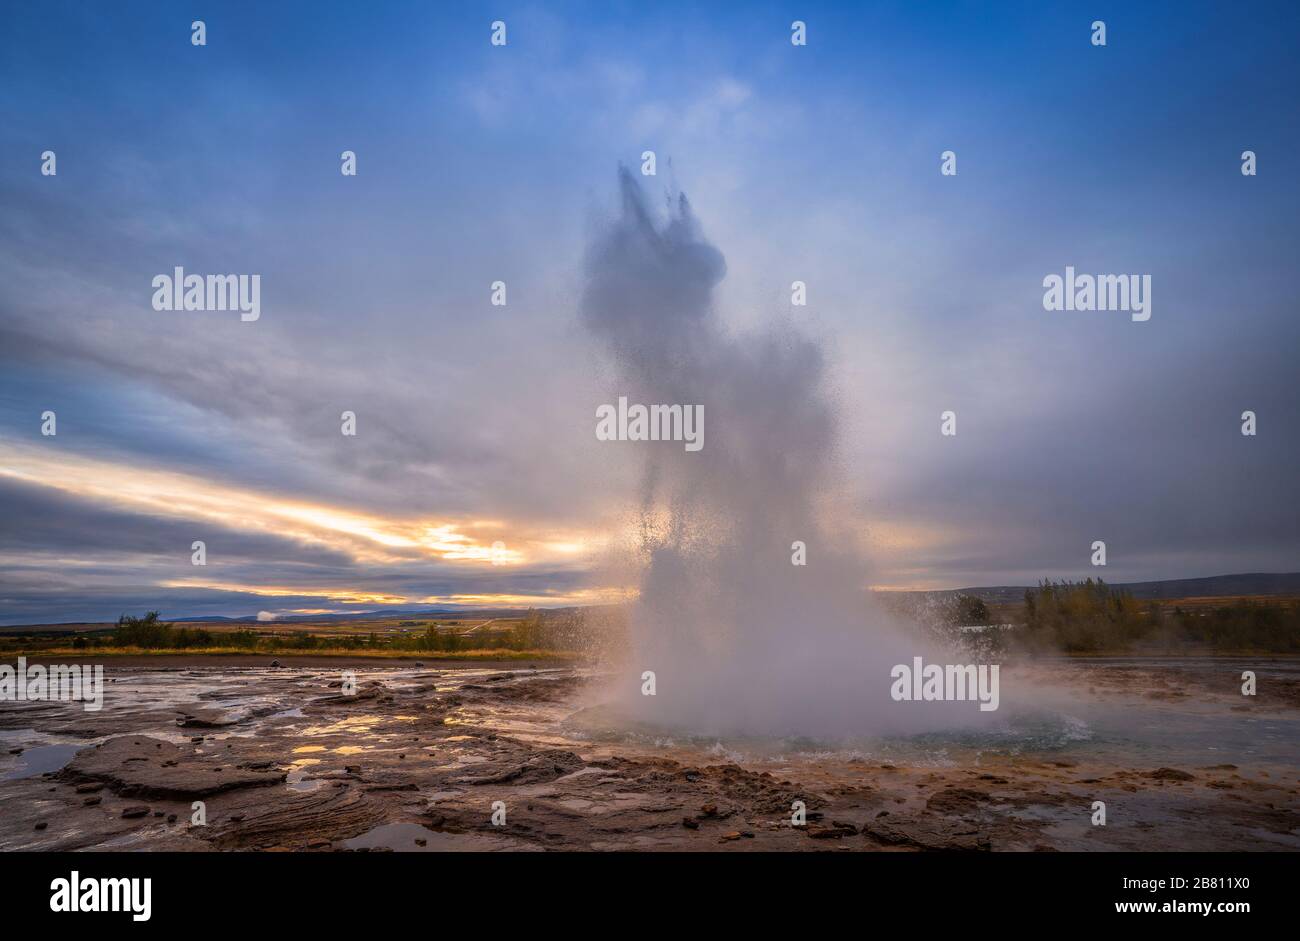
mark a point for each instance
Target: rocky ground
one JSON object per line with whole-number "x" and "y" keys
{"x": 420, "y": 758}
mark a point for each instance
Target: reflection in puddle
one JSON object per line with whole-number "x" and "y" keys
{"x": 296, "y": 779}
{"x": 413, "y": 838}
{"x": 41, "y": 759}
{"x": 350, "y": 724}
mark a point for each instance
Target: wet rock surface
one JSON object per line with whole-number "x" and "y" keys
{"x": 139, "y": 766}
{"x": 481, "y": 758}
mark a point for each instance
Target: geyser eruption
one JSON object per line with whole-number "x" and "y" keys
{"x": 741, "y": 641}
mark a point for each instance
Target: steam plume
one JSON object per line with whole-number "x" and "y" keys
{"x": 740, "y": 640}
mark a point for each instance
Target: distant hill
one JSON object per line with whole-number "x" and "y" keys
{"x": 1213, "y": 586}
{"x": 442, "y": 612}
{"x": 438, "y": 611}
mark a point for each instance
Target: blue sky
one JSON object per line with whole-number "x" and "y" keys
{"x": 479, "y": 163}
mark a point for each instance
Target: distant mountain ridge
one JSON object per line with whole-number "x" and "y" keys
{"x": 440, "y": 611}
{"x": 1212, "y": 586}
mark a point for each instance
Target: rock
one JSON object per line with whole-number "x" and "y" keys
{"x": 408, "y": 786}
{"x": 90, "y": 788}
{"x": 928, "y": 834}
{"x": 134, "y": 811}
{"x": 209, "y": 719}
{"x": 823, "y": 833}
{"x": 122, "y": 766}
{"x": 91, "y": 801}
{"x": 957, "y": 801}
{"x": 365, "y": 694}
{"x": 352, "y": 769}
{"x": 540, "y": 767}
{"x": 41, "y": 825}
{"x": 275, "y": 663}
{"x": 171, "y": 818}
{"x": 690, "y": 823}
{"x": 1171, "y": 774}
{"x": 15, "y": 751}
{"x": 421, "y": 841}
{"x": 709, "y": 810}
{"x": 728, "y": 837}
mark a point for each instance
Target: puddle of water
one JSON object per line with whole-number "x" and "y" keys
{"x": 17, "y": 736}
{"x": 436, "y": 796}
{"x": 298, "y": 772}
{"x": 1121, "y": 729}
{"x": 352, "y": 724}
{"x": 39, "y": 759}
{"x": 577, "y": 804}
{"x": 401, "y": 837}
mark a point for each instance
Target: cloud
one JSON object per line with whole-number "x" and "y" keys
{"x": 483, "y": 164}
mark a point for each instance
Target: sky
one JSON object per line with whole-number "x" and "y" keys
{"x": 479, "y": 163}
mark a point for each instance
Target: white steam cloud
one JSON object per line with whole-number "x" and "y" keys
{"x": 741, "y": 641}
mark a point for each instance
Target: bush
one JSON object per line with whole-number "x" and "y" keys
{"x": 1079, "y": 617}
{"x": 147, "y": 631}
{"x": 1246, "y": 625}
{"x": 971, "y": 610}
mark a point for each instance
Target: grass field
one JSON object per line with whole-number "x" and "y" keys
{"x": 1078, "y": 619}
{"x": 484, "y": 653}
{"x": 530, "y": 636}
